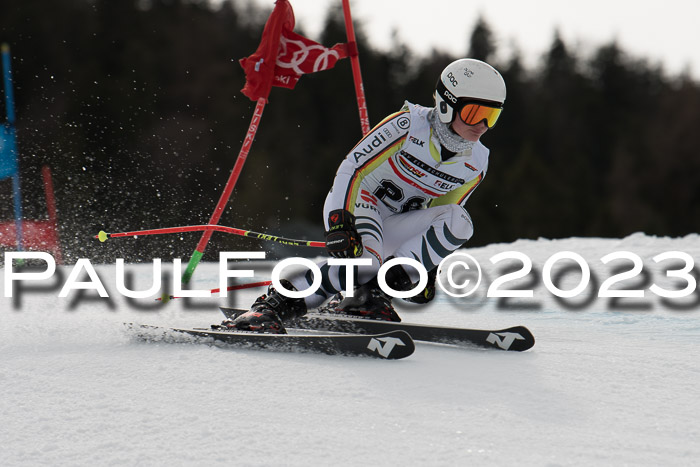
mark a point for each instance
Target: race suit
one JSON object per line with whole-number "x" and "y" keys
{"x": 407, "y": 196}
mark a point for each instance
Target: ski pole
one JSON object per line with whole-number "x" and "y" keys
{"x": 230, "y": 288}
{"x": 103, "y": 236}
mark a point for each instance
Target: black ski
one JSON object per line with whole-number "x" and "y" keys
{"x": 516, "y": 338}
{"x": 392, "y": 345}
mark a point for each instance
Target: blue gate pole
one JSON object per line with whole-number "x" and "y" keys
{"x": 10, "y": 108}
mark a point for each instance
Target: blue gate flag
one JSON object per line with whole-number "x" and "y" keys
{"x": 8, "y": 152}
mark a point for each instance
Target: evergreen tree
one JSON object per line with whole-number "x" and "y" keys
{"x": 481, "y": 43}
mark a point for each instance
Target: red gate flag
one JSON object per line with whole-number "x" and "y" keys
{"x": 283, "y": 56}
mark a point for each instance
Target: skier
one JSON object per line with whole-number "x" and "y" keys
{"x": 400, "y": 192}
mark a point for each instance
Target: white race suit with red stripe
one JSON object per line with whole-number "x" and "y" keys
{"x": 407, "y": 198}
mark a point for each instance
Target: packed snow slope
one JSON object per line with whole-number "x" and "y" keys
{"x": 609, "y": 381}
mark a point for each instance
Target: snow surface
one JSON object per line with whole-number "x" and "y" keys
{"x": 603, "y": 385}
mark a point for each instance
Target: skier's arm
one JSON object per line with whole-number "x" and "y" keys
{"x": 376, "y": 147}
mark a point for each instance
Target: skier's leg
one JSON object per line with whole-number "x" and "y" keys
{"x": 268, "y": 312}
{"x": 370, "y": 225}
{"x": 428, "y": 236}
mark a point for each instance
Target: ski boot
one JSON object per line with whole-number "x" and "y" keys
{"x": 428, "y": 293}
{"x": 370, "y": 301}
{"x": 268, "y": 312}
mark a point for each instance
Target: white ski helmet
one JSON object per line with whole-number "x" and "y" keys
{"x": 467, "y": 79}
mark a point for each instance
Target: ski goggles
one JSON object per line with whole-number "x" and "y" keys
{"x": 470, "y": 111}
{"x": 473, "y": 113}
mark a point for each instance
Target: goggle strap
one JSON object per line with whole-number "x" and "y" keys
{"x": 446, "y": 95}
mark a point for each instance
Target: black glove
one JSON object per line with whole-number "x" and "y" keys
{"x": 342, "y": 239}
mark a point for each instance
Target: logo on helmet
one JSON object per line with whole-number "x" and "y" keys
{"x": 449, "y": 96}
{"x": 452, "y": 79}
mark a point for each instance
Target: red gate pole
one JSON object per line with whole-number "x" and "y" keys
{"x": 356, "y": 74}
{"x": 228, "y": 189}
